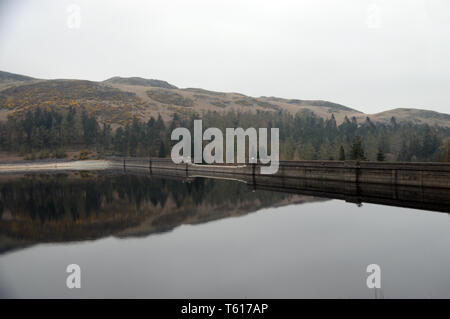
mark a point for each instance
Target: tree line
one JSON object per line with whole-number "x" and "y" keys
{"x": 304, "y": 136}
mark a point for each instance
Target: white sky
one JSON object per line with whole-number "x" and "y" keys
{"x": 370, "y": 55}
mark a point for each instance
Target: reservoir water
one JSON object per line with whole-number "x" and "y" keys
{"x": 140, "y": 236}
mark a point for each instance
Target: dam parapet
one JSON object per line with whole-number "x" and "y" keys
{"x": 435, "y": 175}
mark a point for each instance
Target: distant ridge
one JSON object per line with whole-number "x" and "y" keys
{"x": 13, "y": 77}
{"x": 140, "y": 81}
{"x": 119, "y": 99}
{"x": 331, "y": 105}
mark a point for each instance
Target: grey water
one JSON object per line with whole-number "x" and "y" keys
{"x": 146, "y": 237}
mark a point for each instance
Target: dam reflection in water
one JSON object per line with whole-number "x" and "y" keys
{"x": 136, "y": 235}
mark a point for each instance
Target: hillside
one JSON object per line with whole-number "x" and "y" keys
{"x": 117, "y": 100}
{"x": 10, "y": 79}
{"x": 140, "y": 81}
{"x": 82, "y": 119}
{"x": 416, "y": 116}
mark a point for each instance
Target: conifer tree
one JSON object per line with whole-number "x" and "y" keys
{"x": 341, "y": 153}
{"x": 357, "y": 150}
{"x": 380, "y": 155}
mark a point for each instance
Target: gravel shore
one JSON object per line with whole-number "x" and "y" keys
{"x": 53, "y": 166}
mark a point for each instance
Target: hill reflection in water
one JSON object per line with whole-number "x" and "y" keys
{"x": 80, "y": 206}
{"x": 301, "y": 246}
{"x": 85, "y": 206}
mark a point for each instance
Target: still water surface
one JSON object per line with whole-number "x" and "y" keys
{"x": 135, "y": 236}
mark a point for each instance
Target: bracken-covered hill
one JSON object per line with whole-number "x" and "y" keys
{"x": 117, "y": 100}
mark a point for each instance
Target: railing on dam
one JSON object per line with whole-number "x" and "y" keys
{"x": 388, "y": 173}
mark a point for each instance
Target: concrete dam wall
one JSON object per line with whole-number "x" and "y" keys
{"x": 435, "y": 175}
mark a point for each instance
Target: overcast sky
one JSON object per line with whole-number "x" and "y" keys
{"x": 370, "y": 55}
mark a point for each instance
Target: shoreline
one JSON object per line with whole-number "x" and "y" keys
{"x": 54, "y": 165}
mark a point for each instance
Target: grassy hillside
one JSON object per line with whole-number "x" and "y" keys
{"x": 118, "y": 100}
{"x": 140, "y": 81}
{"x": 10, "y": 79}
{"x": 416, "y": 116}
{"x": 135, "y": 116}
{"x": 108, "y": 104}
